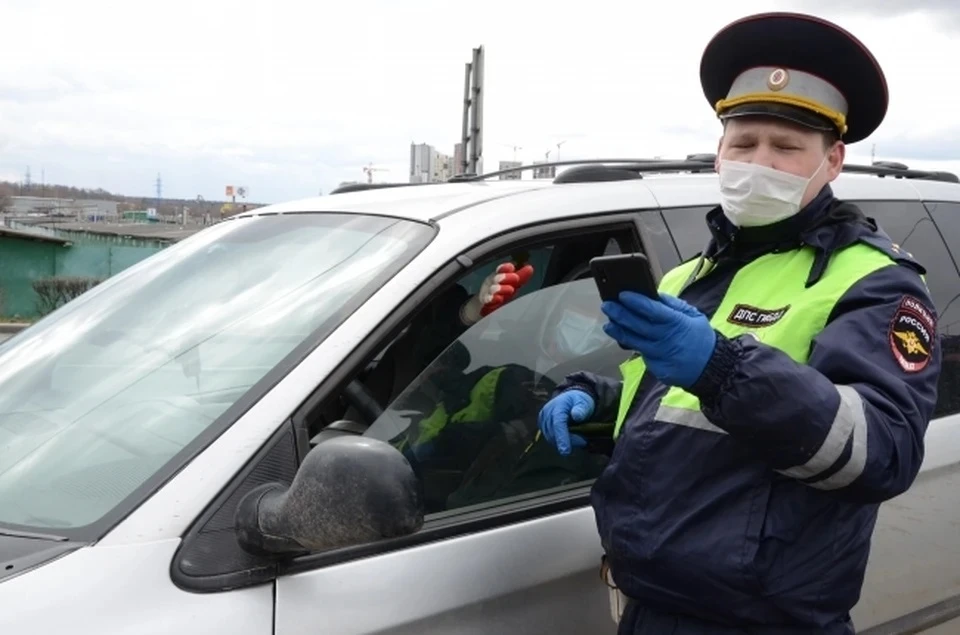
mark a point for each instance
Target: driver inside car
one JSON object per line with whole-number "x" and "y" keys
{"x": 479, "y": 427}
{"x": 445, "y": 319}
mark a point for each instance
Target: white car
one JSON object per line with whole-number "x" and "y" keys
{"x": 208, "y": 442}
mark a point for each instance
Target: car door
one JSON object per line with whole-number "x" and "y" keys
{"x": 510, "y": 543}
{"x": 688, "y": 226}
{"x": 912, "y": 573}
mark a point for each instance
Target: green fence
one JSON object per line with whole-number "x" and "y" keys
{"x": 88, "y": 255}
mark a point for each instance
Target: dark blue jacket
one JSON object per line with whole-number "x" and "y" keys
{"x": 702, "y": 524}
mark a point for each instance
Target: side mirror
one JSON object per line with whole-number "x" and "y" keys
{"x": 349, "y": 490}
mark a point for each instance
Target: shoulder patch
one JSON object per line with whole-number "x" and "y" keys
{"x": 912, "y": 335}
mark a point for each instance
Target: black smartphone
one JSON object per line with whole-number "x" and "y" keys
{"x": 623, "y": 272}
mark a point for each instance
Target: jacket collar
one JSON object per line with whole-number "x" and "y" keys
{"x": 729, "y": 240}
{"x": 826, "y": 224}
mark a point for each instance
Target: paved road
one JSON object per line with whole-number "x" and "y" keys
{"x": 6, "y": 332}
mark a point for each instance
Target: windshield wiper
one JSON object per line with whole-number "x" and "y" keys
{"x": 15, "y": 533}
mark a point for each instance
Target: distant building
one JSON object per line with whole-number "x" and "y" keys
{"x": 547, "y": 172}
{"x": 513, "y": 176}
{"x": 421, "y": 156}
{"x": 141, "y": 215}
{"x": 50, "y": 206}
{"x": 429, "y": 166}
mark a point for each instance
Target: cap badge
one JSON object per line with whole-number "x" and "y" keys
{"x": 778, "y": 79}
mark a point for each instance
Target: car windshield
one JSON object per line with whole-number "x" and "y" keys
{"x": 107, "y": 392}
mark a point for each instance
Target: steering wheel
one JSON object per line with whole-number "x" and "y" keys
{"x": 360, "y": 397}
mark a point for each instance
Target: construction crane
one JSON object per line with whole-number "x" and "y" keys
{"x": 558, "y": 148}
{"x": 515, "y": 148}
{"x": 369, "y": 170}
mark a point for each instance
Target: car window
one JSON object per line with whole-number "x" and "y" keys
{"x": 538, "y": 258}
{"x": 468, "y": 423}
{"x": 688, "y": 226}
{"x": 104, "y": 394}
{"x": 462, "y": 402}
{"x": 909, "y": 226}
{"x": 661, "y": 241}
{"x": 947, "y": 217}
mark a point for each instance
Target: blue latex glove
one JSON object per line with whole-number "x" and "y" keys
{"x": 555, "y": 417}
{"x": 675, "y": 339}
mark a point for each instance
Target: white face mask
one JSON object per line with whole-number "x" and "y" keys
{"x": 754, "y": 195}
{"x": 579, "y": 335}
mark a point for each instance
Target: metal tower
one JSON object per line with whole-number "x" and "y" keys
{"x": 471, "y": 132}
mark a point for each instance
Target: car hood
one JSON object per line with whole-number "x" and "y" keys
{"x": 19, "y": 554}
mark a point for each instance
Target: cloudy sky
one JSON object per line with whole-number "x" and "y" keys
{"x": 290, "y": 98}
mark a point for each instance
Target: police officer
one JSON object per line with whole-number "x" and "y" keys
{"x": 784, "y": 382}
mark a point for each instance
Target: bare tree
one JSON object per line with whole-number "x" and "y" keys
{"x": 52, "y": 293}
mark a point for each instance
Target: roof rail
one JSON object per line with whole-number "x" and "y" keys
{"x": 893, "y": 165}
{"x": 877, "y": 168}
{"x": 359, "y": 187}
{"x": 596, "y": 170}
{"x": 635, "y": 165}
{"x": 901, "y": 171}
{"x": 593, "y": 170}
{"x": 594, "y": 173}
{"x": 466, "y": 176}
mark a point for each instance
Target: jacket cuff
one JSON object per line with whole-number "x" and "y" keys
{"x": 582, "y": 388}
{"x": 718, "y": 372}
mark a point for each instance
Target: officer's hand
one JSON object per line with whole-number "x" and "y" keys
{"x": 555, "y": 417}
{"x": 497, "y": 289}
{"x": 675, "y": 340}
